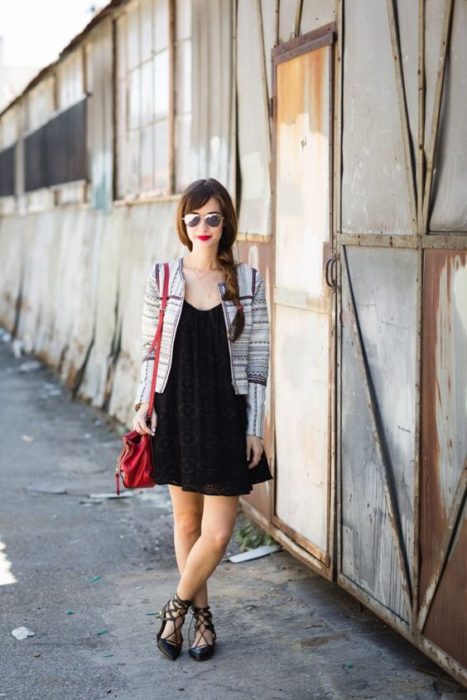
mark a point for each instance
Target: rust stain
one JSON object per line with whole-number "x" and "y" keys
{"x": 288, "y": 76}
{"x": 317, "y": 68}
{"x": 444, "y": 625}
{"x": 301, "y": 90}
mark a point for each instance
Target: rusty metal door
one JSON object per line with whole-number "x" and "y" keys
{"x": 303, "y": 347}
{"x": 402, "y": 406}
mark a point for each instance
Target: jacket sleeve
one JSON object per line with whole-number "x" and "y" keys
{"x": 258, "y": 359}
{"x": 151, "y": 307}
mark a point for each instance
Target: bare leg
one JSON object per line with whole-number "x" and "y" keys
{"x": 219, "y": 515}
{"x": 187, "y": 510}
{"x": 217, "y": 524}
{"x": 203, "y": 526}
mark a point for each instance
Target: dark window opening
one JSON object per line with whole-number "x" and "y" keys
{"x": 56, "y": 153}
{"x": 7, "y": 171}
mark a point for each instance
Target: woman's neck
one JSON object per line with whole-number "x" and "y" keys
{"x": 202, "y": 260}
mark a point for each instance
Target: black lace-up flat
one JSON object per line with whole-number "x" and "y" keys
{"x": 203, "y": 622}
{"x": 172, "y": 611}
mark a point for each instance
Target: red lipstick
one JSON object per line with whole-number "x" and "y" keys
{"x": 204, "y": 238}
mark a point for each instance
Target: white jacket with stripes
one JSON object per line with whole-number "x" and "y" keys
{"x": 249, "y": 354}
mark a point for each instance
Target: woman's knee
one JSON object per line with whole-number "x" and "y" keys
{"x": 220, "y": 538}
{"x": 188, "y": 525}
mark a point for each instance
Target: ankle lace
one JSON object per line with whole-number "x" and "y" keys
{"x": 173, "y": 610}
{"x": 202, "y": 619}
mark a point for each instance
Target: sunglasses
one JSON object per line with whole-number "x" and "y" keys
{"x": 212, "y": 220}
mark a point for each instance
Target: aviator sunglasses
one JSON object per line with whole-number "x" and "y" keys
{"x": 212, "y": 220}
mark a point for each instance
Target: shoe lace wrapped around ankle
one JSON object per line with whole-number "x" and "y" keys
{"x": 202, "y": 619}
{"x": 174, "y": 610}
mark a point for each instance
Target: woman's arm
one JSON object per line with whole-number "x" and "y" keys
{"x": 151, "y": 306}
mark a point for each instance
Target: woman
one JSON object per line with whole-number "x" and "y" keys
{"x": 209, "y": 403}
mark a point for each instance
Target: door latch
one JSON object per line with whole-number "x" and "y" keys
{"x": 331, "y": 272}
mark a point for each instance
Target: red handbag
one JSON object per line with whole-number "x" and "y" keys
{"x": 134, "y": 465}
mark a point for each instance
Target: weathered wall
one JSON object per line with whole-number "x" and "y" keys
{"x": 73, "y": 287}
{"x": 402, "y": 459}
{"x": 378, "y": 419}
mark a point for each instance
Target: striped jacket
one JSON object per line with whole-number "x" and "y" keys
{"x": 249, "y": 354}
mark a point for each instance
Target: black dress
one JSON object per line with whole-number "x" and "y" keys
{"x": 200, "y": 438}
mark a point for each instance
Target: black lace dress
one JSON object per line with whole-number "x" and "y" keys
{"x": 200, "y": 438}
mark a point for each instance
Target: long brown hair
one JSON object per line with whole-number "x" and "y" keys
{"x": 195, "y": 196}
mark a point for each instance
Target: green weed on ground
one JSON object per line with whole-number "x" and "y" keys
{"x": 250, "y": 536}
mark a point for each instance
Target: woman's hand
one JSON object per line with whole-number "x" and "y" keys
{"x": 254, "y": 450}
{"x": 139, "y": 420}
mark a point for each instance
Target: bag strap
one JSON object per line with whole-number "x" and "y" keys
{"x": 156, "y": 343}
